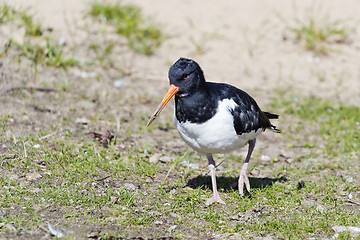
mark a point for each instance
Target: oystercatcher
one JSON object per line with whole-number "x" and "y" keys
{"x": 214, "y": 117}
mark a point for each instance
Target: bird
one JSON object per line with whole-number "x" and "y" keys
{"x": 214, "y": 118}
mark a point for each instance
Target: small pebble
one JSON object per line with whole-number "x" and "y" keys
{"x": 119, "y": 83}
{"x": 195, "y": 165}
{"x": 265, "y": 158}
{"x": 154, "y": 158}
{"x": 158, "y": 222}
{"x": 37, "y": 190}
{"x": 82, "y": 120}
{"x": 10, "y": 227}
{"x": 172, "y": 228}
{"x": 94, "y": 234}
{"x": 351, "y": 229}
{"x": 173, "y": 191}
{"x": 130, "y": 186}
{"x": 165, "y": 159}
{"x": 62, "y": 41}
{"x": 320, "y": 208}
{"x": 174, "y": 215}
{"x": 33, "y": 176}
{"x": 313, "y": 59}
{"x": 349, "y": 179}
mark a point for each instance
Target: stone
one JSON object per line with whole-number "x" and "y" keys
{"x": 130, "y": 186}
{"x": 33, "y": 176}
{"x": 154, "y": 158}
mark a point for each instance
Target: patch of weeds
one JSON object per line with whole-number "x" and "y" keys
{"x": 318, "y": 33}
{"x": 338, "y": 124}
{"x": 83, "y": 194}
{"x": 4, "y": 51}
{"x": 32, "y": 29}
{"x": 102, "y": 52}
{"x": 16, "y": 205}
{"x": 32, "y": 48}
{"x": 6, "y": 13}
{"x": 50, "y": 55}
{"x": 140, "y": 166}
{"x": 346, "y": 236}
{"x": 186, "y": 201}
{"x": 142, "y": 218}
{"x": 3, "y": 121}
{"x": 142, "y": 34}
{"x": 73, "y": 183}
{"x": 69, "y": 176}
{"x": 288, "y": 213}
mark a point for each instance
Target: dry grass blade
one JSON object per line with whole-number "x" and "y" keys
{"x": 40, "y": 89}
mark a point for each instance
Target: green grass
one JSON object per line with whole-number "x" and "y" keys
{"x": 4, "y": 121}
{"x": 292, "y": 215}
{"x": 9, "y": 14}
{"x": 142, "y": 34}
{"x": 70, "y": 169}
{"x": 32, "y": 47}
{"x": 6, "y": 12}
{"x": 33, "y": 29}
{"x": 318, "y": 34}
{"x": 337, "y": 124}
{"x": 103, "y": 52}
{"x": 50, "y": 55}
{"x": 68, "y": 178}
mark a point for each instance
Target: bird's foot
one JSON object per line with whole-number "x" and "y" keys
{"x": 243, "y": 180}
{"x": 215, "y": 198}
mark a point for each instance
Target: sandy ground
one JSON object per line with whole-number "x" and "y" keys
{"x": 239, "y": 42}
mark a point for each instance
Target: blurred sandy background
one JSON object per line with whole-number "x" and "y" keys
{"x": 245, "y": 43}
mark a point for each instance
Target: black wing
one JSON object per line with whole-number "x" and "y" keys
{"x": 247, "y": 114}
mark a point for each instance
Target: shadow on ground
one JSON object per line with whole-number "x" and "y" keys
{"x": 231, "y": 183}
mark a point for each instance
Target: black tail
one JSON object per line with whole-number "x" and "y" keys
{"x": 273, "y": 116}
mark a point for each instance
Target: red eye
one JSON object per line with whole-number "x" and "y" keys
{"x": 186, "y": 76}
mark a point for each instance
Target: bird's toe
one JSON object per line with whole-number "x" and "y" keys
{"x": 214, "y": 199}
{"x": 243, "y": 180}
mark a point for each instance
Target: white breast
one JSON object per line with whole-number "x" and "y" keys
{"x": 216, "y": 135}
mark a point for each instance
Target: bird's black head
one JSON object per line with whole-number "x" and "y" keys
{"x": 187, "y": 75}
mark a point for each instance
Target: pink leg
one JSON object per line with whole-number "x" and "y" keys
{"x": 243, "y": 179}
{"x": 215, "y": 197}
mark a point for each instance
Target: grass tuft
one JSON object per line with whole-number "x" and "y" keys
{"x": 33, "y": 47}
{"x": 142, "y": 34}
{"x": 338, "y": 124}
{"x": 6, "y": 13}
{"x": 32, "y": 29}
{"x": 318, "y": 34}
{"x": 50, "y": 55}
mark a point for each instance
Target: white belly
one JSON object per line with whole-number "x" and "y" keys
{"x": 216, "y": 135}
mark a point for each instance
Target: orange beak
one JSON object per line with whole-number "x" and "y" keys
{"x": 172, "y": 91}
